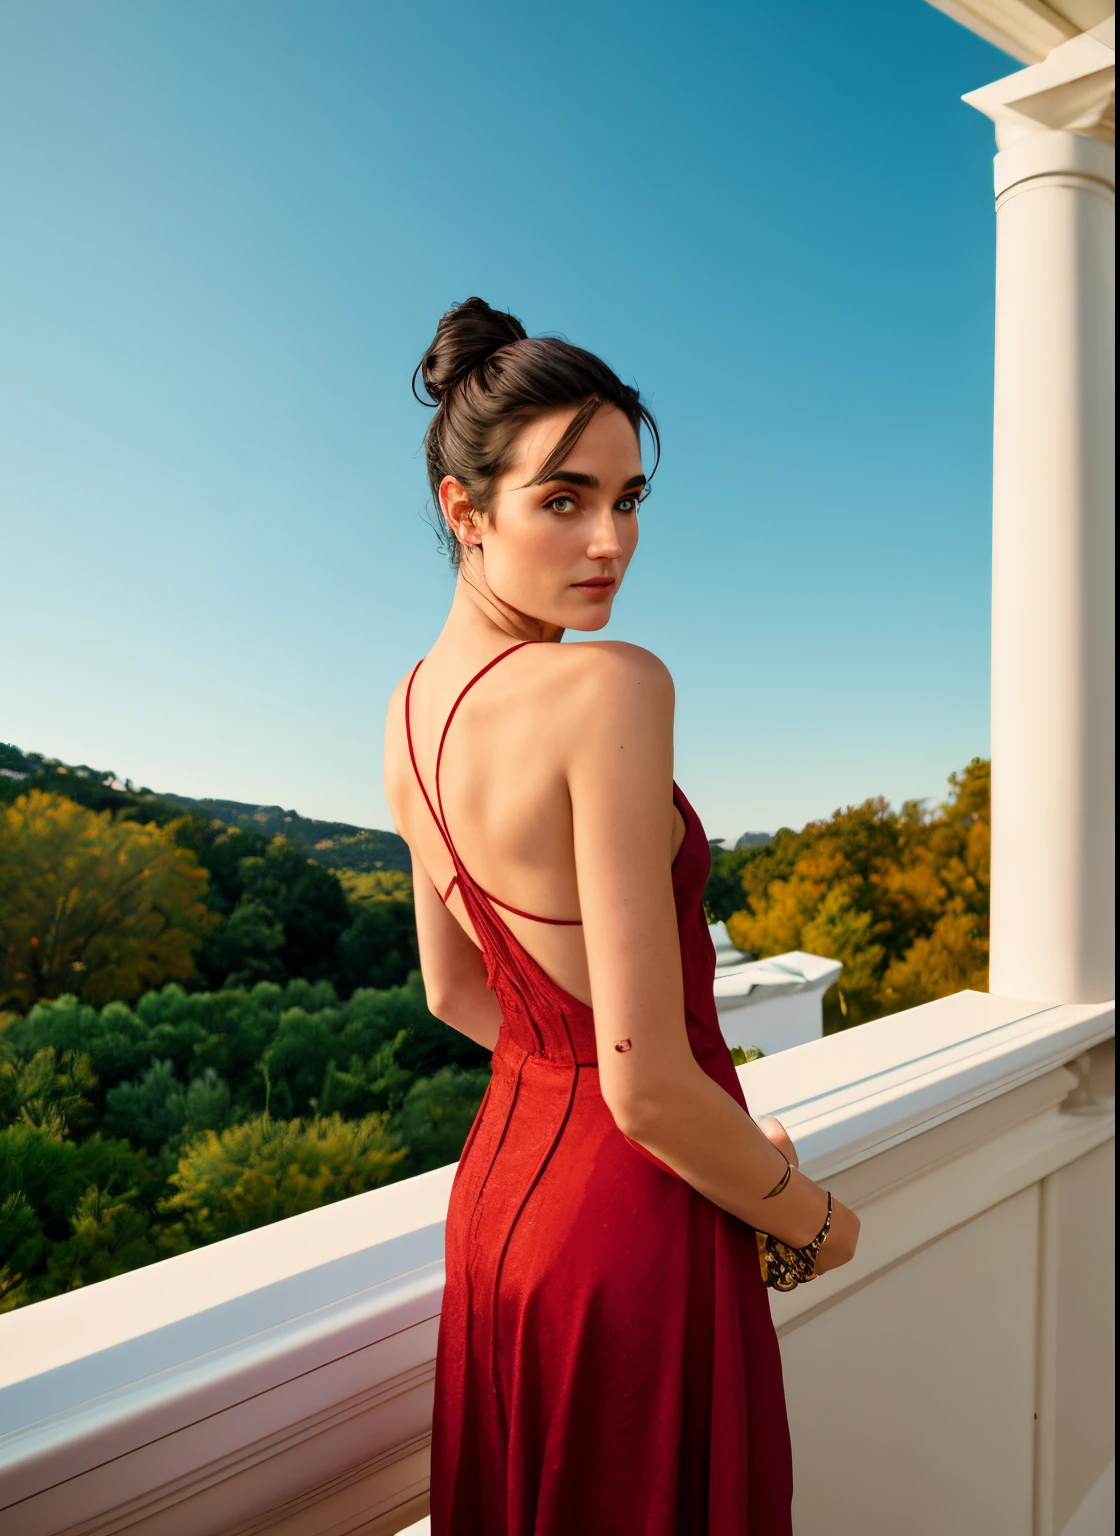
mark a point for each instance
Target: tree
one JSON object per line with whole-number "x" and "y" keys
{"x": 952, "y": 959}
{"x": 288, "y": 897}
{"x": 44, "y": 1177}
{"x": 266, "y": 1170}
{"x": 250, "y": 1105}
{"x": 723, "y": 893}
{"x": 900, "y": 897}
{"x": 156, "y": 1110}
{"x": 437, "y": 1115}
{"x": 247, "y": 946}
{"x": 306, "y": 901}
{"x": 283, "y": 916}
{"x": 110, "y": 1234}
{"x": 371, "y": 887}
{"x": 50, "y": 1093}
{"x": 379, "y": 947}
{"x": 93, "y": 906}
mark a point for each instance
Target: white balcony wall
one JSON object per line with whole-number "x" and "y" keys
{"x": 771, "y": 1004}
{"x": 955, "y": 1377}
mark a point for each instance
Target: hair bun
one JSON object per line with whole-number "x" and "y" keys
{"x": 465, "y": 337}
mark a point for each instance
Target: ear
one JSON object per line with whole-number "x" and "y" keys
{"x": 459, "y": 511}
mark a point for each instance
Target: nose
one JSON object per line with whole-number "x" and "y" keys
{"x": 604, "y": 542}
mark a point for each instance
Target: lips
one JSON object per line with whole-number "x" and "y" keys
{"x": 595, "y": 584}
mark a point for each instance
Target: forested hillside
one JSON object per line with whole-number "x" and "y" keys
{"x": 203, "y": 1028}
{"x": 334, "y": 844}
{"x": 133, "y": 1133}
{"x": 107, "y": 889}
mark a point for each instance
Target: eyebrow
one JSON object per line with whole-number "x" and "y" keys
{"x": 575, "y": 477}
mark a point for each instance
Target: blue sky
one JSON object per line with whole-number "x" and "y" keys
{"x": 230, "y": 230}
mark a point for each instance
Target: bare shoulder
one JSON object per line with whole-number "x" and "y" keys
{"x": 615, "y": 663}
{"x": 394, "y": 754}
{"x": 595, "y": 681}
{"x": 395, "y": 710}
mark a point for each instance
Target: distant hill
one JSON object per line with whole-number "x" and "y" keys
{"x": 748, "y": 840}
{"x": 334, "y": 844}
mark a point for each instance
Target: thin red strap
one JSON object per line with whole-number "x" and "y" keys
{"x": 416, "y": 765}
{"x": 440, "y": 817}
{"x": 557, "y": 922}
{"x": 561, "y": 922}
{"x": 447, "y": 723}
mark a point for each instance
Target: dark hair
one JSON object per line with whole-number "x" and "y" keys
{"x": 488, "y": 380}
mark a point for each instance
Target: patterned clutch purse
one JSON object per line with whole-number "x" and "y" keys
{"x": 785, "y": 1268}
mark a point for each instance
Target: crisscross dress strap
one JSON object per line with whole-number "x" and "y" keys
{"x": 439, "y": 816}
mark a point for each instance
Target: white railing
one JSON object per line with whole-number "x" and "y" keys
{"x": 955, "y": 1378}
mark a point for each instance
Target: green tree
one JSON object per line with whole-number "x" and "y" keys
{"x": 156, "y": 1110}
{"x": 50, "y": 1092}
{"x": 379, "y": 947}
{"x": 110, "y": 1234}
{"x": 43, "y": 1179}
{"x": 723, "y": 893}
{"x": 283, "y": 916}
{"x": 19, "y": 1234}
{"x": 90, "y": 905}
{"x": 307, "y": 902}
{"x": 108, "y": 1115}
{"x": 117, "y": 1039}
{"x": 248, "y": 946}
{"x": 324, "y": 1060}
{"x": 266, "y": 1170}
{"x": 437, "y": 1114}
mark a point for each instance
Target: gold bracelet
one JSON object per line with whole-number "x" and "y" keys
{"x": 785, "y": 1268}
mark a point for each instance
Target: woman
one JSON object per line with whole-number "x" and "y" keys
{"x": 607, "y": 1362}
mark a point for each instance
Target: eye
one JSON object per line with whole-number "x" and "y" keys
{"x": 632, "y": 501}
{"x": 564, "y": 505}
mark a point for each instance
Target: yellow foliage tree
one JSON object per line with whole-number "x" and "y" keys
{"x": 93, "y": 906}
{"x": 901, "y": 898}
{"x": 954, "y": 957}
{"x": 368, "y": 887}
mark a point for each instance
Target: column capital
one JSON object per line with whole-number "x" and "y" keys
{"x": 1048, "y": 158}
{"x": 1073, "y": 91}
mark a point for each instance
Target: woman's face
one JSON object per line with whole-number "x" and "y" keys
{"x": 558, "y": 551}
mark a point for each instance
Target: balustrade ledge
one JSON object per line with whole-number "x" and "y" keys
{"x": 276, "y": 1380}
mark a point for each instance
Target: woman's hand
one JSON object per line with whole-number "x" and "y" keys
{"x": 777, "y": 1135}
{"x": 843, "y": 1235}
{"x": 840, "y": 1244}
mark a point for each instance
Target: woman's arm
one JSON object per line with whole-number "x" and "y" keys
{"x": 620, "y": 773}
{"x": 453, "y": 968}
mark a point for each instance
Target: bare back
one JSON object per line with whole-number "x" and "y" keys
{"x": 502, "y": 789}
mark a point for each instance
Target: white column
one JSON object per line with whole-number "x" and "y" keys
{"x": 1053, "y": 759}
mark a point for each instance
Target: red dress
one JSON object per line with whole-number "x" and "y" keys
{"x": 607, "y": 1365}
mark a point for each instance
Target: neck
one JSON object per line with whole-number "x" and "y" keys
{"x": 479, "y": 619}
